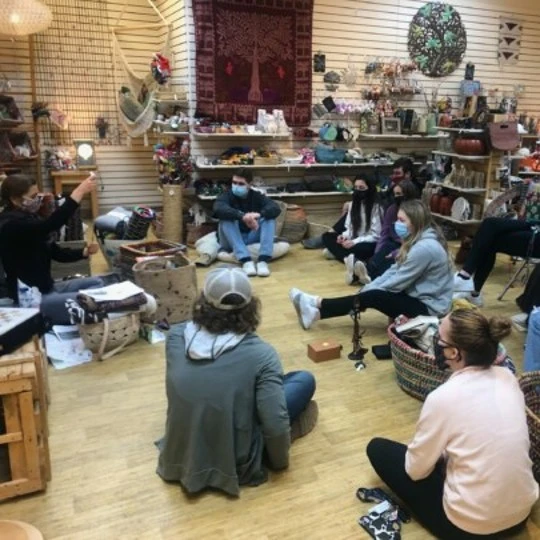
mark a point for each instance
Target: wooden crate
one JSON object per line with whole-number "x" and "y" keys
{"x": 23, "y": 431}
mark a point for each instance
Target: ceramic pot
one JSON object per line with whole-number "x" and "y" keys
{"x": 445, "y": 205}
{"x": 435, "y": 203}
{"x": 469, "y": 147}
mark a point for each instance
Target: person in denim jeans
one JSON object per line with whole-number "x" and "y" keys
{"x": 246, "y": 217}
{"x": 532, "y": 345}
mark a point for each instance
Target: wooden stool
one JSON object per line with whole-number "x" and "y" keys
{"x": 73, "y": 179}
{"x": 23, "y": 432}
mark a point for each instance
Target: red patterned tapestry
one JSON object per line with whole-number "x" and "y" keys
{"x": 253, "y": 54}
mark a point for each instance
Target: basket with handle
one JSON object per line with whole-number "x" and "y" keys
{"x": 110, "y": 336}
{"x": 417, "y": 373}
{"x": 173, "y": 282}
{"x": 530, "y": 386}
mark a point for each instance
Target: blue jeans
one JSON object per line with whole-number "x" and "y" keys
{"x": 299, "y": 387}
{"x": 53, "y": 304}
{"x": 532, "y": 345}
{"x": 231, "y": 238}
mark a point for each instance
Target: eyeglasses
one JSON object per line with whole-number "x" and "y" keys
{"x": 437, "y": 340}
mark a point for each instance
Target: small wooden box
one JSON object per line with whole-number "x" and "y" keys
{"x": 324, "y": 349}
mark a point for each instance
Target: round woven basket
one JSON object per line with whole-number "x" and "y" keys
{"x": 107, "y": 338}
{"x": 530, "y": 386}
{"x": 416, "y": 372}
{"x": 295, "y": 224}
{"x": 172, "y": 213}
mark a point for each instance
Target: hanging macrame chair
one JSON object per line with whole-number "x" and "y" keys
{"x": 136, "y": 115}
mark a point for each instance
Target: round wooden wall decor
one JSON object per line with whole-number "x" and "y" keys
{"x": 437, "y": 39}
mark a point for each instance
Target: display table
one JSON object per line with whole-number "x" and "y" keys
{"x": 63, "y": 179}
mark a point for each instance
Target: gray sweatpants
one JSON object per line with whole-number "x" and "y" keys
{"x": 53, "y": 304}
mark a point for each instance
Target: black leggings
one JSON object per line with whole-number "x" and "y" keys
{"x": 389, "y": 303}
{"x": 362, "y": 251}
{"x": 499, "y": 235}
{"x": 380, "y": 262}
{"x": 423, "y": 497}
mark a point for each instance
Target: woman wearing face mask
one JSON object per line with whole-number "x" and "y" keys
{"x": 355, "y": 237}
{"x": 389, "y": 242}
{"x": 467, "y": 472}
{"x": 419, "y": 283}
{"x": 26, "y": 249}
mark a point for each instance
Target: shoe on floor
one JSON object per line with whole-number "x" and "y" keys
{"x": 360, "y": 271}
{"x": 520, "y": 321}
{"x": 262, "y": 269}
{"x": 226, "y": 257}
{"x": 327, "y": 254}
{"x": 462, "y": 285}
{"x": 306, "y": 421}
{"x": 305, "y": 306}
{"x": 349, "y": 269}
{"x": 249, "y": 268}
{"x": 477, "y": 301}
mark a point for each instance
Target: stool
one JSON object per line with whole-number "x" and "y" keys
{"x": 73, "y": 179}
{"x": 23, "y": 431}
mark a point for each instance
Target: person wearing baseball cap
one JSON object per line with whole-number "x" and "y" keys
{"x": 228, "y": 399}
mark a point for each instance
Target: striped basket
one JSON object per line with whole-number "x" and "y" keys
{"x": 530, "y": 385}
{"x": 416, "y": 372}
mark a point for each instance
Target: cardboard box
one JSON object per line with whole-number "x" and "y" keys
{"x": 324, "y": 349}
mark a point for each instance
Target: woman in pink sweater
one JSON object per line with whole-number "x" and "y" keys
{"x": 467, "y": 473}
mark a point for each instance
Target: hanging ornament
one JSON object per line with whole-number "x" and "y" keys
{"x": 23, "y": 17}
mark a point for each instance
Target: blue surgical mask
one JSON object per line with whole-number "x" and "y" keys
{"x": 240, "y": 191}
{"x": 401, "y": 229}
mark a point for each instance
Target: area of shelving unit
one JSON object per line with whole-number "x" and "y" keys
{"x": 287, "y": 166}
{"x": 529, "y": 173}
{"x": 390, "y": 137}
{"x": 174, "y": 133}
{"x": 471, "y": 191}
{"x": 237, "y": 135}
{"x": 461, "y": 156}
{"x": 460, "y": 130}
{"x": 450, "y": 219}
{"x": 284, "y": 195}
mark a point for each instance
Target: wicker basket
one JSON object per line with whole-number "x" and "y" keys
{"x": 173, "y": 286}
{"x": 157, "y": 225}
{"x": 109, "y": 337}
{"x": 530, "y": 385}
{"x": 295, "y": 225}
{"x": 416, "y": 372}
{"x": 172, "y": 213}
{"x": 155, "y": 248}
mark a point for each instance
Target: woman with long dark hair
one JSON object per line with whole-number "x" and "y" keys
{"x": 419, "y": 283}
{"x": 467, "y": 472}
{"x": 355, "y": 237}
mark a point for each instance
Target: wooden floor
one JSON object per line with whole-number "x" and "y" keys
{"x": 105, "y": 417}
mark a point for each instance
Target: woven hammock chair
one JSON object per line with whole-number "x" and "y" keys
{"x": 142, "y": 115}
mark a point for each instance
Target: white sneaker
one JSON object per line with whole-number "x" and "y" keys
{"x": 462, "y": 285}
{"x": 249, "y": 268}
{"x": 520, "y": 321}
{"x": 262, "y": 269}
{"x": 305, "y": 306}
{"x": 349, "y": 269}
{"x": 477, "y": 301}
{"x": 327, "y": 254}
{"x": 360, "y": 271}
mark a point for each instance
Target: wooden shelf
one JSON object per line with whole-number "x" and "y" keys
{"x": 450, "y": 219}
{"x": 461, "y": 156}
{"x": 460, "y": 130}
{"x": 530, "y": 136}
{"x": 203, "y": 167}
{"x": 199, "y": 135}
{"x": 173, "y": 133}
{"x": 471, "y": 191}
{"x": 529, "y": 173}
{"x": 284, "y": 195}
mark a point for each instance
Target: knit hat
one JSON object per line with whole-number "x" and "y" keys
{"x": 221, "y": 282}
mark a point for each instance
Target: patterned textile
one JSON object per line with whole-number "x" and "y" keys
{"x": 253, "y": 54}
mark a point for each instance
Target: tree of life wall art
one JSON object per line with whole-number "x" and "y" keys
{"x": 253, "y": 54}
{"x": 437, "y": 39}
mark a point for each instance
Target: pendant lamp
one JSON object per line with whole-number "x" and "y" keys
{"x": 23, "y": 17}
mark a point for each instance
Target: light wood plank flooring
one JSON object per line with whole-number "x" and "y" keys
{"x": 105, "y": 417}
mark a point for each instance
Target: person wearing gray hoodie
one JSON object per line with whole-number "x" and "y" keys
{"x": 231, "y": 410}
{"x": 419, "y": 283}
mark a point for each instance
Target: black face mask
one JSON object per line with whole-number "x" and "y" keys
{"x": 398, "y": 199}
{"x": 440, "y": 359}
{"x": 360, "y": 195}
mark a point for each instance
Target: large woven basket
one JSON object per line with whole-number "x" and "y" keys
{"x": 530, "y": 385}
{"x": 172, "y": 213}
{"x": 129, "y": 253}
{"x": 173, "y": 282}
{"x": 416, "y": 372}
{"x": 109, "y": 337}
{"x": 295, "y": 225}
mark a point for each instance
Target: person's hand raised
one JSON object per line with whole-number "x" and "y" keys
{"x": 86, "y": 186}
